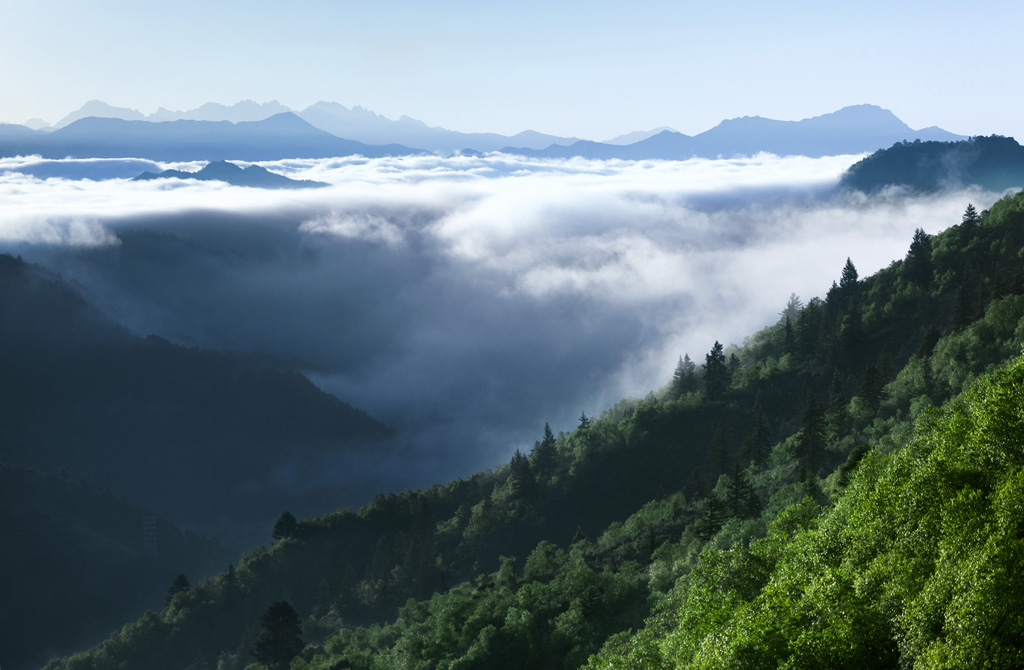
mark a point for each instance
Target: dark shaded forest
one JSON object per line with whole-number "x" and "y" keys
{"x": 196, "y": 434}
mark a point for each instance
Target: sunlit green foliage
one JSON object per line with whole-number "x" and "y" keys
{"x": 917, "y": 565}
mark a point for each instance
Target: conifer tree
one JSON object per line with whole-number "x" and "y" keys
{"x": 963, "y": 309}
{"x": 280, "y": 638}
{"x": 848, "y": 285}
{"x": 720, "y": 455}
{"x": 229, "y": 586}
{"x": 684, "y": 379}
{"x": 521, "y": 480}
{"x": 286, "y": 526}
{"x": 919, "y": 259}
{"x": 543, "y": 454}
{"x": 755, "y": 446}
{"x": 743, "y": 502}
{"x": 711, "y": 522}
{"x": 970, "y": 219}
{"x": 811, "y": 438}
{"x": 872, "y": 387}
{"x": 178, "y": 585}
{"x": 716, "y": 373}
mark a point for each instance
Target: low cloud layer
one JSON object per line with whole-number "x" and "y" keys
{"x": 467, "y": 300}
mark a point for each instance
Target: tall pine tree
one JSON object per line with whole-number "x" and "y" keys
{"x": 280, "y": 638}
{"x": 716, "y": 373}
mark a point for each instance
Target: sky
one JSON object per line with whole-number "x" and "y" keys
{"x": 592, "y": 69}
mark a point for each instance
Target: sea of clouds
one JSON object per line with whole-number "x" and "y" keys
{"x": 463, "y": 300}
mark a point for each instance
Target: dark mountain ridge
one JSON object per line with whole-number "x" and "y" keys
{"x": 253, "y": 175}
{"x": 995, "y": 163}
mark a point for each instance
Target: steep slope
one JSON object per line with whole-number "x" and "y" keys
{"x": 806, "y": 398}
{"x": 916, "y": 565}
{"x": 199, "y": 435}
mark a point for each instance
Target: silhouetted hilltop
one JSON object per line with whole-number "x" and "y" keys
{"x": 995, "y": 163}
{"x": 254, "y": 175}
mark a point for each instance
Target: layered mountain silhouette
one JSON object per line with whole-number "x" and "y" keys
{"x": 253, "y": 131}
{"x": 851, "y": 130}
{"x": 254, "y": 175}
{"x": 354, "y": 123}
{"x": 278, "y": 137}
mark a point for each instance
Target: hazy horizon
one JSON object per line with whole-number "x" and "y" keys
{"x": 568, "y": 69}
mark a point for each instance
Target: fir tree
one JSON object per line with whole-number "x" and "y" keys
{"x": 755, "y": 446}
{"x": 848, "y": 282}
{"x": 963, "y": 309}
{"x": 970, "y": 219}
{"x": 286, "y": 526}
{"x": 716, "y": 373}
{"x": 543, "y": 453}
{"x": 280, "y": 638}
{"x": 521, "y": 480}
{"x": 684, "y": 379}
{"x": 919, "y": 259}
{"x": 178, "y": 585}
{"x": 872, "y": 387}
{"x": 811, "y": 438}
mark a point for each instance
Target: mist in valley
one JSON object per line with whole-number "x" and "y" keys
{"x": 463, "y": 301}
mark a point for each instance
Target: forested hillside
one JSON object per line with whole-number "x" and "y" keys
{"x": 196, "y": 434}
{"x": 771, "y": 505}
{"x": 77, "y": 560}
{"x": 994, "y": 163}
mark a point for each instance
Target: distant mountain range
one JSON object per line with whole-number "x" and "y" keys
{"x": 275, "y": 138}
{"x": 254, "y": 175}
{"x": 355, "y": 123}
{"x": 851, "y": 130}
{"x": 216, "y": 132}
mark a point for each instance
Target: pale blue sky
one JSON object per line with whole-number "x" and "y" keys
{"x": 592, "y": 69}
